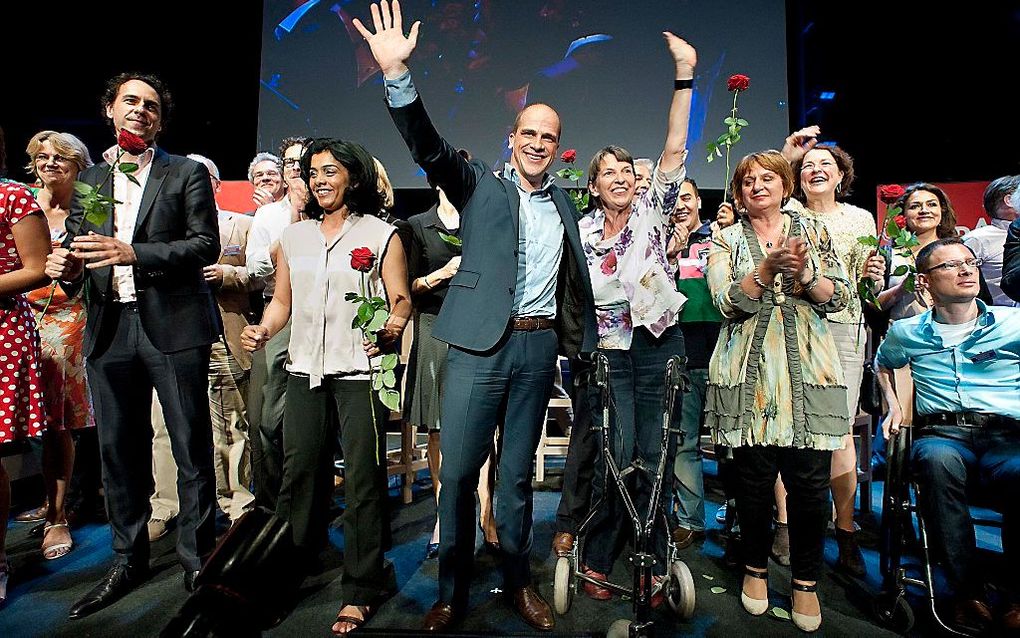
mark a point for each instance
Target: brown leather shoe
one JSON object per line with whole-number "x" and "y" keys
{"x": 439, "y": 618}
{"x": 1010, "y": 619}
{"x": 972, "y": 615}
{"x": 684, "y": 538}
{"x": 563, "y": 543}
{"x": 530, "y": 605}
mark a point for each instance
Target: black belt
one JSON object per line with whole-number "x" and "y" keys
{"x": 532, "y": 323}
{"x": 968, "y": 420}
{"x": 129, "y": 306}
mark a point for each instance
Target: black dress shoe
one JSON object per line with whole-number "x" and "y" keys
{"x": 189, "y": 580}
{"x": 118, "y": 581}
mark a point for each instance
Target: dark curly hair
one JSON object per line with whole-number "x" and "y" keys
{"x": 166, "y": 101}
{"x": 291, "y": 141}
{"x": 362, "y": 196}
{"x": 844, "y": 163}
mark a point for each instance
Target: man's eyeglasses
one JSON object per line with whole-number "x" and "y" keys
{"x": 956, "y": 264}
{"x": 291, "y": 163}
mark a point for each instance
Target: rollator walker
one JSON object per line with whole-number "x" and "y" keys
{"x": 678, "y": 585}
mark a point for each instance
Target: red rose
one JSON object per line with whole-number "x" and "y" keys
{"x": 131, "y": 143}
{"x": 362, "y": 259}
{"x": 890, "y": 194}
{"x": 738, "y": 82}
{"x": 901, "y": 221}
{"x": 569, "y": 156}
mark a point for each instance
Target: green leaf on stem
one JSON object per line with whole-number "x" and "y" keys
{"x": 450, "y": 239}
{"x": 891, "y": 228}
{"x": 365, "y": 314}
{"x": 84, "y": 189}
{"x": 910, "y": 283}
{"x": 389, "y": 362}
{"x": 377, "y": 381}
{"x": 741, "y": 121}
{"x": 377, "y": 302}
{"x": 378, "y": 320}
{"x": 901, "y": 270}
{"x": 127, "y": 167}
{"x": 389, "y": 378}
{"x": 868, "y": 240}
{"x": 96, "y": 214}
{"x": 352, "y": 296}
{"x": 390, "y": 398}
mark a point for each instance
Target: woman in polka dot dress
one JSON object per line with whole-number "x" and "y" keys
{"x": 24, "y": 245}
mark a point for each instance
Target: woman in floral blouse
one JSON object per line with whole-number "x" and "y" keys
{"x": 776, "y": 393}
{"x": 636, "y": 303}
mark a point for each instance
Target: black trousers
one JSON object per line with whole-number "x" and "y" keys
{"x": 579, "y": 470}
{"x": 266, "y": 404}
{"x": 122, "y": 377}
{"x": 806, "y": 476}
{"x": 309, "y": 440}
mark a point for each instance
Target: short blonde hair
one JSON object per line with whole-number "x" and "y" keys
{"x": 66, "y": 145}
{"x": 383, "y": 182}
{"x": 770, "y": 161}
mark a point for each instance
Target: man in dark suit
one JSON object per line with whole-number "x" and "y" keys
{"x": 151, "y": 320}
{"x": 521, "y": 294}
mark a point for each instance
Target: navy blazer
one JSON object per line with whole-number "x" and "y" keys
{"x": 175, "y": 236}
{"x": 476, "y": 312}
{"x": 1011, "y": 262}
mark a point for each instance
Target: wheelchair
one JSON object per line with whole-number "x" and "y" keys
{"x": 678, "y": 585}
{"x": 897, "y": 534}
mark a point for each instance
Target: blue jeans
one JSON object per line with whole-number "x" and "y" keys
{"x": 689, "y": 486}
{"x": 636, "y": 381}
{"x": 943, "y": 458}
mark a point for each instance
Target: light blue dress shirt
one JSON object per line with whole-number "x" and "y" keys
{"x": 980, "y": 374}
{"x": 540, "y": 238}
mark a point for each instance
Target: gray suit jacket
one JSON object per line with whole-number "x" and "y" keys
{"x": 476, "y": 312}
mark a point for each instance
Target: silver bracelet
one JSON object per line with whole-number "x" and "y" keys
{"x": 758, "y": 281}
{"x": 813, "y": 282}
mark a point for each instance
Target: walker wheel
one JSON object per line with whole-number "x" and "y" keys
{"x": 619, "y": 629}
{"x": 894, "y": 612}
{"x": 563, "y": 594}
{"x": 680, "y": 590}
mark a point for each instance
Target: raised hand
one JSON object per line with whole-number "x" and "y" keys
{"x": 684, "y": 55}
{"x": 390, "y": 47}
{"x": 800, "y": 142}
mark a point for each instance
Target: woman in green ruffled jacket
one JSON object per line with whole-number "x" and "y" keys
{"x": 776, "y": 393}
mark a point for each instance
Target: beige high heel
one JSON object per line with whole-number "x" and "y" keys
{"x": 755, "y": 606}
{"x": 805, "y": 622}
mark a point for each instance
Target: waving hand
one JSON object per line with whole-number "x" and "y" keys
{"x": 390, "y": 47}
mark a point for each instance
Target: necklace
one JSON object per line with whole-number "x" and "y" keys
{"x": 775, "y": 235}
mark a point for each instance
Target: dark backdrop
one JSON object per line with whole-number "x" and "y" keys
{"x": 919, "y": 95}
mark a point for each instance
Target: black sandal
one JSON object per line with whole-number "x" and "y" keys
{"x": 803, "y": 621}
{"x": 366, "y": 611}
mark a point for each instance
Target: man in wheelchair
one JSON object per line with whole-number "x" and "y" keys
{"x": 964, "y": 359}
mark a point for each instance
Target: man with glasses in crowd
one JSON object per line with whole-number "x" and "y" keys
{"x": 964, "y": 358}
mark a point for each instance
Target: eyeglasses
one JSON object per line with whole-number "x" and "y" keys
{"x": 957, "y": 264}
{"x": 59, "y": 159}
{"x": 291, "y": 163}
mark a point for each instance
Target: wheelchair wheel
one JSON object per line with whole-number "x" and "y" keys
{"x": 619, "y": 629}
{"x": 680, "y": 590}
{"x": 563, "y": 594}
{"x": 894, "y": 612}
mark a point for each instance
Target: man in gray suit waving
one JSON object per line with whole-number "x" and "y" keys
{"x": 522, "y": 293}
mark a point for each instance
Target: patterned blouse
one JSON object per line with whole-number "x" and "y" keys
{"x": 845, "y": 226}
{"x": 775, "y": 376}
{"x": 631, "y": 277}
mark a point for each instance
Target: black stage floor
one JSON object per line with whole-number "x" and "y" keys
{"x": 41, "y": 592}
